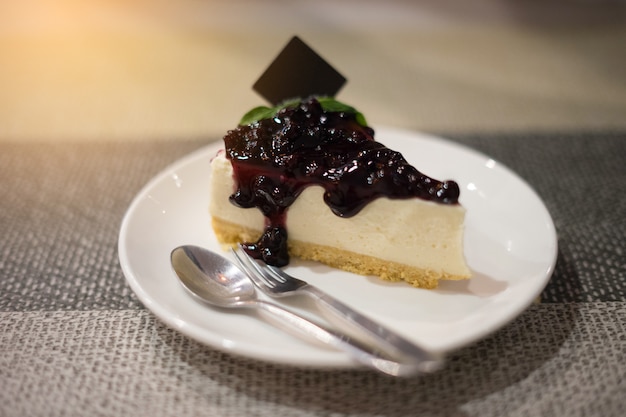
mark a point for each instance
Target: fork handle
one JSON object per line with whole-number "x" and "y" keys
{"x": 429, "y": 360}
{"x": 360, "y": 352}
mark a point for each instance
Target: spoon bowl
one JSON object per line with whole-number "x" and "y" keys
{"x": 212, "y": 278}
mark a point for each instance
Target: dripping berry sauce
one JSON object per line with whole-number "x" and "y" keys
{"x": 274, "y": 159}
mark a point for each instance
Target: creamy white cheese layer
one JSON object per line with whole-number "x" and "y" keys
{"x": 414, "y": 232}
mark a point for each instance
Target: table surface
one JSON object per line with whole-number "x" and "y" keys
{"x": 85, "y": 122}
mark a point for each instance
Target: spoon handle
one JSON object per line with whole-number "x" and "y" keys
{"x": 401, "y": 346}
{"x": 360, "y": 352}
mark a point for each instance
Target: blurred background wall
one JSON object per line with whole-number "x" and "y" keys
{"x": 152, "y": 69}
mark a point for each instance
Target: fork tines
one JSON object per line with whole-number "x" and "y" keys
{"x": 254, "y": 270}
{"x": 268, "y": 278}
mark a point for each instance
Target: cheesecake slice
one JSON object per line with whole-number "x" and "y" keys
{"x": 307, "y": 179}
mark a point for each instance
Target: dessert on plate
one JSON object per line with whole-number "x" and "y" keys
{"x": 306, "y": 178}
{"x": 309, "y": 180}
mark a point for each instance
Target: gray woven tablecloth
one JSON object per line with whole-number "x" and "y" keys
{"x": 74, "y": 340}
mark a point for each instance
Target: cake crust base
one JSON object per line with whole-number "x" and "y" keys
{"x": 229, "y": 235}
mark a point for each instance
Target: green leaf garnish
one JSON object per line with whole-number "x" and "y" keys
{"x": 256, "y": 114}
{"x": 329, "y": 104}
{"x": 332, "y": 105}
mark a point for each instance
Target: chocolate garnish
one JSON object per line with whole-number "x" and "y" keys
{"x": 298, "y": 71}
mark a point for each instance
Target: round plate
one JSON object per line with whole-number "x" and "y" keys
{"x": 510, "y": 245}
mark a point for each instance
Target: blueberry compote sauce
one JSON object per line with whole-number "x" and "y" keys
{"x": 276, "y": 158}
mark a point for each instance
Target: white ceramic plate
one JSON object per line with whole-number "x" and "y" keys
{"x": 510, "y": 244}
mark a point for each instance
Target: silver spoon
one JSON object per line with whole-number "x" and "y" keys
{"x": 217, "y": 281}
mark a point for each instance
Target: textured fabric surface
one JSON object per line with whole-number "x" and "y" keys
{"x": 74, "y": 340}
{"x": 60, "y": 215}
{"x": 555, "y": 359}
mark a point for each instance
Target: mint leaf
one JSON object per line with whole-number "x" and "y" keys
{"x": 360, "y": 119}
{"x": 329, "y": 104}
{"x": 256, "y": 114}
{"x": 332, "y": 105}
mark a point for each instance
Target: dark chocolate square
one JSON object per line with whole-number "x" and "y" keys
{"x": 298, "y": 71}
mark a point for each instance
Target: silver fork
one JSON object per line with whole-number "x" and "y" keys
{"x": 276, "y": 283}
